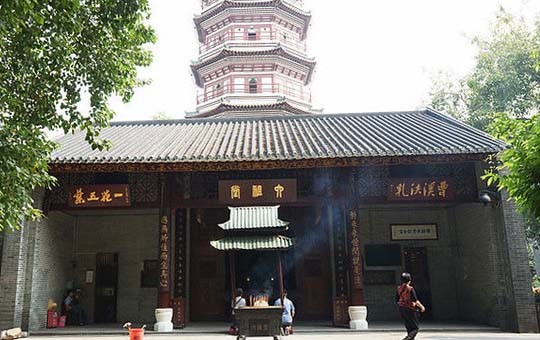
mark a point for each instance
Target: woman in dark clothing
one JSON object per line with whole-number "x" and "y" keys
{"x": 409, "y": 305}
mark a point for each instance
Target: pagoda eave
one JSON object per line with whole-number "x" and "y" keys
{"x": 212, "y": 11}
{"x": 278, "y": 51}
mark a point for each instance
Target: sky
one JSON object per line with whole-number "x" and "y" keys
{"x": 377, "y": 55}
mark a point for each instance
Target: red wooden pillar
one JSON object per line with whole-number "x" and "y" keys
{"x": 163, "y": 289}
{"x": 280, "y": 268}
{"x": 164, "y": 299}
{"x": 357, "y": 278}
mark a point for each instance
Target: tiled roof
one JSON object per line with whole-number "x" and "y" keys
{"x": 246, "y": 218}
{"x": 273, "y": 51}
{"x": 282, "y": 138}
{"x": 285, "y": 5}
{"x": 253, "y": 243}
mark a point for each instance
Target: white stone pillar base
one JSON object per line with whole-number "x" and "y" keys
{"x": 358, "y": 316}
{"x": 166, "y": 326}
{"x": 164, "y": 320}
{"x": 358, "y": 325}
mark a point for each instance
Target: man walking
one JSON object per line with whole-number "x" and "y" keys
{"x": 288, "y": 313}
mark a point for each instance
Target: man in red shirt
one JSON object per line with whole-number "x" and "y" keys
{"x": 409, "y": 305}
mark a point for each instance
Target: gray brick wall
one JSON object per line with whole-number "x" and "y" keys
{"x": 519, "y": 314}
{"x": 12, "y": 278}
{"x": 134, "y": 236}
{"x": 375, "y": 229}
{"x": 478, "y": 264}
{"x": 50, "y": 255}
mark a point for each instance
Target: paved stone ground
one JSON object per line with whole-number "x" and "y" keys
{"x": 337, "y": 336}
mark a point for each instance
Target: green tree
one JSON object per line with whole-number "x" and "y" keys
{"x": 58, "y": 57}
{"x": 502, "y": 96}
{"x": 504, "y": 79}
{"x": 518, "y": 168}
{"x": 449, "y": 95}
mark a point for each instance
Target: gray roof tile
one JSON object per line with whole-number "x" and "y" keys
{"x": 425, "y": 132}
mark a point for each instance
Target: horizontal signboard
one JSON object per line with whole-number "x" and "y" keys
{"x": 99, "y": 196}
{"x": 262, "y": 191}
{"x": 414, "y": 232}
{"x": 421, "y": 189}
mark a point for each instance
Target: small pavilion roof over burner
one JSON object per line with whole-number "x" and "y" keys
{"x": 245, "y": 218}
{"x": 270, "y": 242}
{"x": 248, "y": 229}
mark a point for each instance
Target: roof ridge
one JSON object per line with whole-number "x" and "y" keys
{"x": 266, "y": 118}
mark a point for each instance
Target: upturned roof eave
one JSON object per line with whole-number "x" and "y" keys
{"x": 277, "y": 51}
{"x": 199, "y": 19}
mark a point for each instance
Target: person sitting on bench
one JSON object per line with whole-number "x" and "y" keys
{"x": 73, "y": 309}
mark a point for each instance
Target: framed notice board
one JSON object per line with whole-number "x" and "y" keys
{"x": 383, "y": 255}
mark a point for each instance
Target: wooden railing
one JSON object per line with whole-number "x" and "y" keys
{"x": 271, "y": 36}
{"x": 258, "y": 89}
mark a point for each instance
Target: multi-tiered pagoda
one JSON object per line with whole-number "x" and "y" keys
{"x": 252, "y": 58}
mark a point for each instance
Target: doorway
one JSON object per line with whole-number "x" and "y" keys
{"x": 416, "y": 263}
{"x": 106, "y": 287}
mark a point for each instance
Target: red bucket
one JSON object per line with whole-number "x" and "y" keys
{"x": 62, "y": 321}
{"x": 136, "y": 334}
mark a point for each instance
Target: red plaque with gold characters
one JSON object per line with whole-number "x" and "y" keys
{"x": 99, "y": 196}
{"x": 421, "y": 189}
{"x": 257, "y": 191}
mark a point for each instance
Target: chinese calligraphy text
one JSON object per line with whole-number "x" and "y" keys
{"x": 421, "y": 189}
{"x": 99, "y": 196}
{"x": 414, "y": 232}
{"x": 257, "y": 191}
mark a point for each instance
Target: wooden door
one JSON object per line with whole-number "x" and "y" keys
{"x": 416, "y": 263}
{"x": 312, "y": 250}
{"x": 208, "y": 299}
{"x": 106, "y": 288}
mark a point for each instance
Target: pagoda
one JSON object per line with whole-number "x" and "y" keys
{"x": 252, "y": 59}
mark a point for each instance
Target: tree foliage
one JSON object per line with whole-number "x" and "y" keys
{"x": 504, "y": 78}
{"x": 60, "y": 62}
{"x": 502, "y": 96}
{"x": 518, "y": 167}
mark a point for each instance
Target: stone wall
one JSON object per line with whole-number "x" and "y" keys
{"x": 478, "y": 264}
{"x": 519, "y": 313}
{"x": 375, "y": 229}
{"x": 12, "y": 278}
{"x": 133, "y": 235}
{"x": 49, "y": 267}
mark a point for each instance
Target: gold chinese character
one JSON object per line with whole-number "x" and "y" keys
{"x": 400, "y": 190}
{"x": 118, "y": 195}
{"x": 79, "y": 197}
{"x": 416, "y": 190}
{"x": 256, "y": 191}
{"x": 235, "y": 192}
{"x": 164, "y": 238}
{"x": 429, "y": 189}
{"x": 106, "y": 196}
{"x": 442, "y": 188}
{"x": 93, "y": 197}
{"x": 164, "y": 220}
{"x": 279, "y": 190}
{"x": 163, "y": 246}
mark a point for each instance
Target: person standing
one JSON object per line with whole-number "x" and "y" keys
{"x": 288, "y": 313}
{"x": 237, "y": 302}
{"x": 409, "y": 305}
